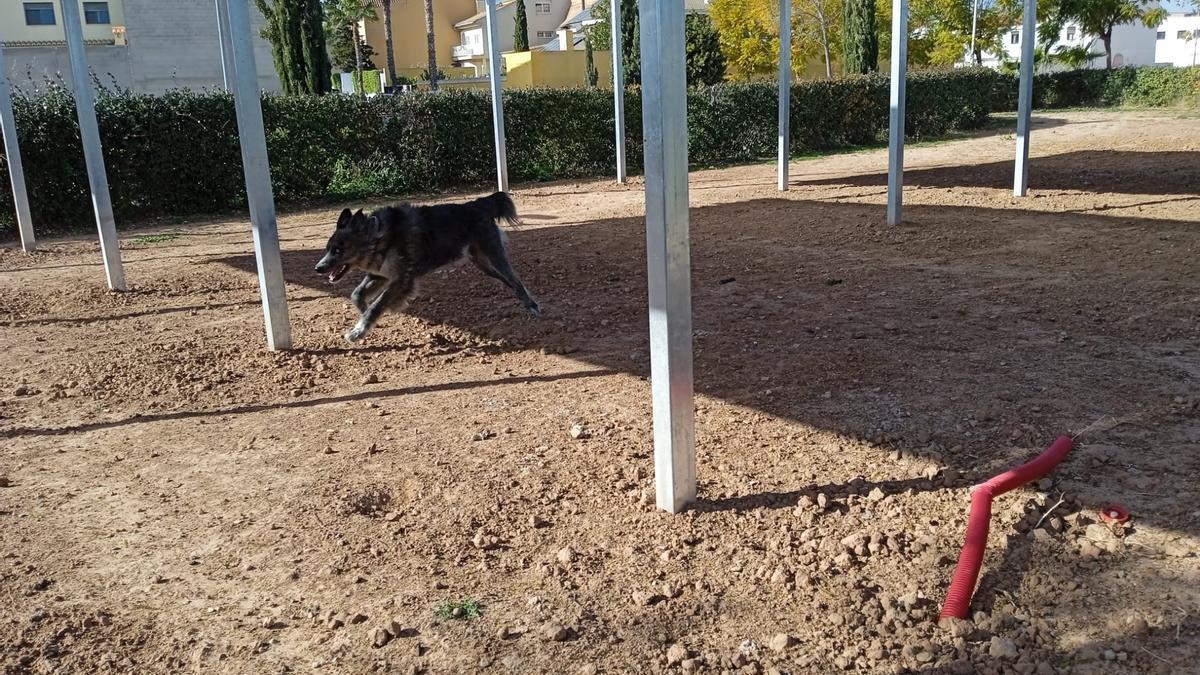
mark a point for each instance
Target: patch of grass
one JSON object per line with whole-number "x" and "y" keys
{"x": 154, "y": 238}
{"x": 467, "y": 608}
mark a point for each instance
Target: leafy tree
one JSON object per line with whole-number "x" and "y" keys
{"x": 749, "y": 31}
{"x": 821, "y": 26}
{"x": 748, "y": 35}
{"x": 1100, "y": 17}
{"x": 860, "y": 41}
{"x": 296, "y": 31}
{"x": 350, "y": 14}
{"x": 1075, "y": 57}
{"x": 705, "y": 62}
{"x": 521, "y": 29}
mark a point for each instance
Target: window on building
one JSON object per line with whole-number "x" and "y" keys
{"x": 541, "y": 8}
{"x": 545, "y": 34}
{"x": 1162, "y": 35}
{"x": 1070, "y": 33}
{"x": 39, "y": 14}
{"x": 1183, "y": 34}
{"x": 96, "y": 13}
{"x": 1015, "y": 37}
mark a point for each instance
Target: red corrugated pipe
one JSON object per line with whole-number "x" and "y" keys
{"x": 958, "y": 598}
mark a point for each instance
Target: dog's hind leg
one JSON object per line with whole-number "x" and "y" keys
{"x": 395, "y": 293}
{"x": 365, "y": 291}
{"x": 489, "y": 255}
{"x": 481, "y": 261}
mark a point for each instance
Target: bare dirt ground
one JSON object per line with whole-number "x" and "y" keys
{"x": 178, "y": 499}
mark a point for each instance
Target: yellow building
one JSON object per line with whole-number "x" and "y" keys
{"x": 408, "y": 32}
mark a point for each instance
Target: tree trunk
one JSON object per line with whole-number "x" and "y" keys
{"x": 358, "y": 69}
{"x": 1107, "y": 38}
{"x": 823, "y": 24}
{"x": 431, "y": 46}
{"x": 387, "y": 39}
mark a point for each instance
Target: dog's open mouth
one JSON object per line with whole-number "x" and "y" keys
{"x": 338, "y": 273}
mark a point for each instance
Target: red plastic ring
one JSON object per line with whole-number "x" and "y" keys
{"x": 1114, "y": 513}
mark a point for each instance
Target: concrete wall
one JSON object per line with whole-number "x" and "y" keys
{"x": 170, "y": 44}
{"x": 173, "y": 44}
{"x": 31, "y": 69}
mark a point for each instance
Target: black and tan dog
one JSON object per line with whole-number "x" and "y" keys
{"x": 396, "y": 245}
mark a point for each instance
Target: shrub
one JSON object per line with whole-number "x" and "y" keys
{"x": 1141, "y": 87}
{"x": 178, "y": 154}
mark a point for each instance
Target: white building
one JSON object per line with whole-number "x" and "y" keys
{"x": 543, "y": 16}
{"x": 580, "y": 18}
{"x": 1177, "y": 40}
{"x": 1132, "y": 45}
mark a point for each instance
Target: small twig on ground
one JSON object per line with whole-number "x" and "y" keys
{"x": 1152, "y": 654}
{"x": 1061, "y": 499}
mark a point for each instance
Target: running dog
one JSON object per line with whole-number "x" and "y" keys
{"x": 396, "y": 245}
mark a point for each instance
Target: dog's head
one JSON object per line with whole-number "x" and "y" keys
{"x": 352, "y": 242}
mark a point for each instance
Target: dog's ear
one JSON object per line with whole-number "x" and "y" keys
{"x": 344, "y": 219}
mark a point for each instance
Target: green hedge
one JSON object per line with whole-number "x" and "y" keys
{"x": 1139, "y": 87}
{"x": 177, "y": 154}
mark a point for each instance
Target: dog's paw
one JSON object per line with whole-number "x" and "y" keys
{"x": 355, "y": 334}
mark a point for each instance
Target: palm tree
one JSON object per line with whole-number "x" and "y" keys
{"x": 350, "y": 14}
{"x": 433, "y": 69}
{"x": 386, "y": 5}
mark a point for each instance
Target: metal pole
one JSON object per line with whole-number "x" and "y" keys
{"x": 618, "y": 66}
{"x": 223, "y": 41}
{"x": 497, "y": 98}
{"x": 899, "y": 83}
{"x": 253, "y": 140}
{"x": 785, "y": 91}
{"x": 1025, "y": 99}
{"x": 16, "y": 170}
{"x": 93, "y": 153}
{"x": 974, "y": 23}
{"x": 664, "y": 123}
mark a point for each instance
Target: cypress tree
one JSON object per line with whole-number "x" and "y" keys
{"x": 860, "y": 42}
{"x": 593, "y": 76}
{"x": 521, "y": 29}
{"x": 295, "y": 29}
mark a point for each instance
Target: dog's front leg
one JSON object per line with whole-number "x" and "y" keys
{"x": 364, "y": 291}
{"x": 394, "y": 292}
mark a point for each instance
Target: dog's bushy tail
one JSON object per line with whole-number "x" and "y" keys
{"x": 500, "y": 207}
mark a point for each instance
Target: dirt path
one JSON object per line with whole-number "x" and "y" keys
{"x": 180, "y": 500}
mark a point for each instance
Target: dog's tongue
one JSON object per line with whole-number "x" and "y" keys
{"x": 337, "y": 273}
